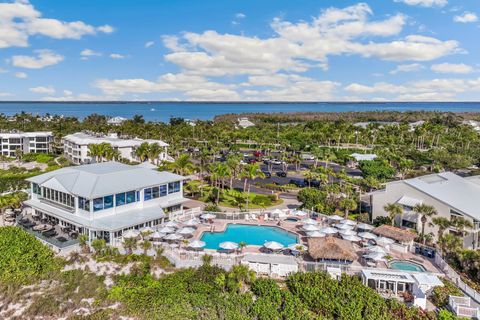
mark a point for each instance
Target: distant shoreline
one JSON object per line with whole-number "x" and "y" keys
{"x": 238, "y": 102}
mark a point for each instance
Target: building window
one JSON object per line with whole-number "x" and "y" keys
{"x": 108, "y": 202}
{"x": 147, "y": 194}
{"x": 409, "y": 224}
{"x": 36, "y": 189}
{"x": 163, "y": 190}
{"x": 83, "y": 204}
{"x": 119, "y": 199}
{"x": 97, "y": 204}
{"x": 155, "y": 192}
{"x": 174, "y": 187}
{"x": 130, "y": 196}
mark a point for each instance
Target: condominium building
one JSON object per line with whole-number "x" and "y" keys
{"x": 102, "y": 200}
{"x": 26, "y": 142}
{"x": 451, "y": 195}
{"x": 75, "y": 146}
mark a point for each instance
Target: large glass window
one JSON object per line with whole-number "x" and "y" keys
{"x": 163, "y": 190}
{"x": 57, "y": 196}
{"x": 108, "y": 202}
{"x": 130, "y": 196}
{"x": 36, "y": 189}
{"x": 119, "y": 199}
{"x": 147, "y": 194}
{"x": 97, "y": 204}
{"x": 83, "y": 204}
{"x": 174, "y": 187}
{"x": 155, "y": 192}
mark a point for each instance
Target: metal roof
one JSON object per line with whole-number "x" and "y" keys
{"x": 101, "y": 179}
{"x": 270, "y": 258}
{"x": 82, "y": 138}
{"x": 459, "y": 193}
{"x": 409, "y": 202}
{"x": 382, "y": 274}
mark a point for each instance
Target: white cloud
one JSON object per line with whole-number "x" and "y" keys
{"x": 425, "y": 3}
{"x": 42, "y": 59}
{"x": 117, "y": 56}
{"x": 89, "y": 53}
{"x": 466, "y": 17}
{"x": 5, "y": 94}
{"x": 452, "y": 68}
{"x": 21, "y": 75}
{"x": 240, "y": 15}
{"x": 19, "y": 20}
{"x": 297, "y": 47}
{"x": 43, "y": 90}
{"x": 149, "y": 44}
{"x": 67, "y": 92}
{"x": 106, "y": 29}
{"x": 407, "y": 68}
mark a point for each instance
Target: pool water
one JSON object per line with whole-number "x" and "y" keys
{"x": 252, "y": 235}
{"x": 407, "y": 266}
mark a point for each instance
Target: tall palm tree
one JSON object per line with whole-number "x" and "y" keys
{"x": 461, "y": 224}
{"x": 142, "y": 151}
{"x": 153, "y": 152}
{"x": 251, "y": 172}
{"x": 130, "y": 244}
{"x": 348, "y": 205}
{"x": 443, "y": 224}
{"x": 393, "y": 210}
{"x": 425, "y": 211}
{"x": 182, "y": 165}
{"x": 94, "y": 152}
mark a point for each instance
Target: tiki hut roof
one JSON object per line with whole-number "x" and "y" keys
{"x": 394, "y": 233}
{"x": 331, "y": 248}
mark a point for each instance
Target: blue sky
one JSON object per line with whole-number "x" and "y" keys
{"x": 403, "y": 50}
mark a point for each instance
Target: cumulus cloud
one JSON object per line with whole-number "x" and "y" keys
{"x": 19, "y": 20}
{"x": 89, "y": 53}
{"x": 407, "y": 68}
{"x": 452, "y": 68}
{"x": 21, "y": 75}
{"x": 466, "y": 17}
{"x": 43, "y": 90}
{"x": 42, "y": 59}
{"x": 425, "y": 3}
{"x": 117, "y": 56}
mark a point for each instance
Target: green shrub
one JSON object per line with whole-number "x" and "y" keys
{"x": 440, "y": 294}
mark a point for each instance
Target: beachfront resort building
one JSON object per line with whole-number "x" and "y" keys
{"x": 26, "y": 142}
{"x": 245, "y": 123}
{"x": 75, "y": 146}
{"x": 452, "y": 196}
{"x": 116, "y": 121}
{"x": 102, "y": 200}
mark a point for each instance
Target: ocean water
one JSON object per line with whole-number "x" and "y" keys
{"x": 163, "y": 111}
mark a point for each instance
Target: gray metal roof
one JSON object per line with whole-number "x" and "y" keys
{"x": 101, "y": 179}
{"x": 270, "y": 258}
{"x": 461, "y": 194}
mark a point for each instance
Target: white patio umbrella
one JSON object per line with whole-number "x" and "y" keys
{"x": 173, "y": 236}
{"x": 309, "y": 221}
{"x": 364, "y": 226}
{"x": 310, "y": 227}
{"x": 132, "y": 233}
{"x": 347, "y": 232}
{"x": 316, "y": 234}
{"x": 171, "y": 224}
{"x": 348, "y": 221}
{"x": 208, "y": 216}
{"x": 228, "y": 245}
{"x": 377, "y": 249}
{"x": 300, "y": 213}
{"x": 196, "y": 244}
{"x": 383, "y": 241}
{"x": 297, "y": 247}
{"x": 328, "y": 230}
{"x": 343, "y": 226}
{"x": 335, "y": 218}
{"x": 367, "y": 235}
{"x": 273, "y": 245}
{"x": 166, "y": 230}
{"x": 157, "y": 235}
{"x": 351, "y": 237}
{"x": 376, "y": 256}
{"x": 277, "y": 212}
{"x": 146, "y": 229}
{"x": 186, "y": 230}
{"x": 191, "y": 223}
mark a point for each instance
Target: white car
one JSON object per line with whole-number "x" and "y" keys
{"x": 277, "y": 162}
{"x": 308, "y": 157}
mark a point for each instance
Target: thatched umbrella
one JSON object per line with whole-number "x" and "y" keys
{"x": 331, "y": 248}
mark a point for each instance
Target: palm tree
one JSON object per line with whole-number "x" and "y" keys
{"x": 393, "y": 210}
{"x": 450, "y": 243}
{"x": 112, "y": 154}
{"x": 153, "y": 152}
{"x": 443, "y": 224}
{"x": 183, "y": 165}
{"x": 348, "y": 205}
{"x": 425, "y": 211}
{"x": 145, "y": 245}
{"x": 83, "y": 241}
{"x": 309, "y": 176}
{"x": 460, "y": 223}
{"x": 130, "y": 244}
{"x": 142, "y": 151}
{"x": 251, "y": 172}
{"x": 94, "y": 152}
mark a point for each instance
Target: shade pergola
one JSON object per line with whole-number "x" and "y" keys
{"x": 228, "y": 245}
{"x": 310, "y": 227}
{"x": 273, "y": 245}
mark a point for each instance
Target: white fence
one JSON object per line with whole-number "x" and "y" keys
{"x": 461, "y": 307}
{"x": 455, "y": 278}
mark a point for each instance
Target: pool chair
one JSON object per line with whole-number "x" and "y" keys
{"x": 247, "y": 217}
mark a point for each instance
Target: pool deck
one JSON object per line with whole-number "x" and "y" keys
{"x": 219, "y": 225}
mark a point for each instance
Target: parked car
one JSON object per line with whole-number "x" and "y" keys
{"x": 313, "y": 183}
{"x": 282, "y": 174}
{"x": 298, "y": 182}
{"x": 308, "y": 157}
{"x": 257, "y": 154}
{"x": 267, "y": 174}
{"x": 277, "y": 162}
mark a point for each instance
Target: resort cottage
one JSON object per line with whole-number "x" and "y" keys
{"x": 451, "y": 195}
{"x": 103, "y": 200}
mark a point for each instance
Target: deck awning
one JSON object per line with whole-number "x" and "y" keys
{"x": 409, "y": 202}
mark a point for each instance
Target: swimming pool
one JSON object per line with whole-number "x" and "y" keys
{"x": 406, "y": 266}
{"x": 252, "y": 235}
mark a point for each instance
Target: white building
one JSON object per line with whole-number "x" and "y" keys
{"x": 75, "y": 146}
{"x": 245, "y": 123}
{"x": 27, "y": 142}
{"x": 452, "y": 196}
{"x": 271, "y": 265}
{"x": 103, "y": 200}
{"x": 363, "y": 157}
{"x": 116, "y": 121}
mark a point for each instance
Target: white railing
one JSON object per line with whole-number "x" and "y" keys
{"x": 461, "y": 307}
{"x": 455, "y": 278}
